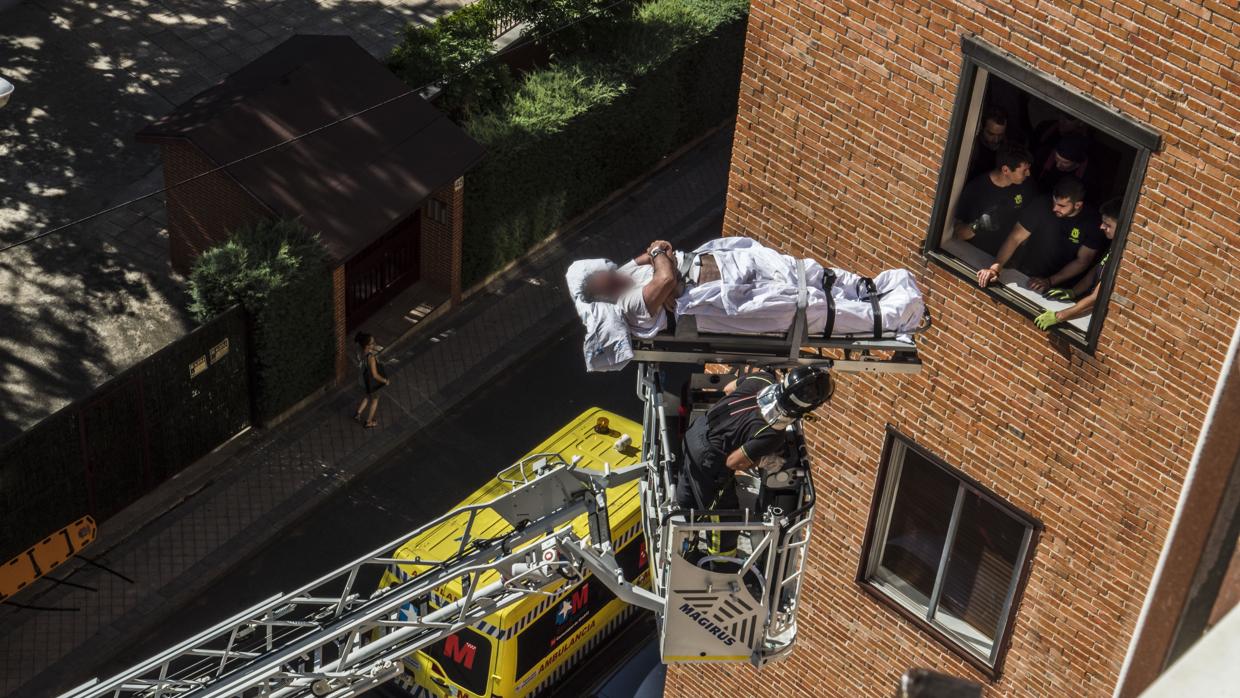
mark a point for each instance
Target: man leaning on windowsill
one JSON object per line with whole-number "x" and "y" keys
{"x": 1084, "y": 294}
{"x": 1061, "y": 239}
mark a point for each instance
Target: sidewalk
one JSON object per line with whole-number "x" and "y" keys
{"x": 180, "y": 539}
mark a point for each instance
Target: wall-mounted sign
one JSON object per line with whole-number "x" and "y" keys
{"x": 198, "y": 366}
{"x": 219, "y": 351}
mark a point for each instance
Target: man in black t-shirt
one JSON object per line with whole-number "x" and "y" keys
{"x": 731, "y": 436}
{"x": 990, "y": 204}
{"x": 1059, "y": 239}
{"x": 747, "y": 424}
{"x": 990, "y": 138}
{"x": 1084, "y": 294}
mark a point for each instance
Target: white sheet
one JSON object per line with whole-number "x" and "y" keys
{"x": 756, "y": 293}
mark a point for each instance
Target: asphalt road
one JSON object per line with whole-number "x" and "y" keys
{"x": 434, "y": 469}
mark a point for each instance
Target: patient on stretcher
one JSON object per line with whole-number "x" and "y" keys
{"x": 733, "y": 285}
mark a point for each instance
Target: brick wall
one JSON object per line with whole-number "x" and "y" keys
{"x": 844, "y": 111}
{"x": 344, "y": 359}
{"x": 441, "y": 242}
{"x": 201, "y": 213}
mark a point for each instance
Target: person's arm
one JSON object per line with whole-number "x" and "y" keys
{"x": 373, "y": 362}
{"x": 737, "y": 460}
{"x": 1051, "y": 318}
{"x": 1014, "y": 240}
{"x": 643, "y": 259}
{"x": 1084, "y": 258}
{"x": 963, "y": 231}
{"x": 663, "y": 286}
{"x": 763, "y": 443}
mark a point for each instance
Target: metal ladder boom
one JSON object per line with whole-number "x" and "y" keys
{"x": 328, "y": 638}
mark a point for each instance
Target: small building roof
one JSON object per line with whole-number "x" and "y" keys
{"x": 351, "y": 181}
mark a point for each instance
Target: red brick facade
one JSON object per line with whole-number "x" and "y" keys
{"x": 843, "y": 117}
{"x": 201, "y": 213}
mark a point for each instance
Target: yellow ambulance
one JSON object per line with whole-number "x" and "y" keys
{"x": 523, "y": 649}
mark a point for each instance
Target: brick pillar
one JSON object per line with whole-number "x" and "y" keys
{"x": 457, "y": 218}
{"x": 442, "y": 229}
{"x": 339, "y": 324}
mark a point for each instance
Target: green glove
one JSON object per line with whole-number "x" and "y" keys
{"x": 1046, "y": 320}
{"x": 1061, "y": 294}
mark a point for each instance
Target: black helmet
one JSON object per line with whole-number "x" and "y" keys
{"x": 801, "y": 391}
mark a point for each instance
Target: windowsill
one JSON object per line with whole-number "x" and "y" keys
{"x": 955, "y": 631}
{"x": 965, "y": 259}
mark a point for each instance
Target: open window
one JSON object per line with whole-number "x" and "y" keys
{"x": 946, "y": 553}
{"x": 1006, "y": 111}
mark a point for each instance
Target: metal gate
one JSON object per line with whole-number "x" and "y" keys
{"x": 390, "y": 265}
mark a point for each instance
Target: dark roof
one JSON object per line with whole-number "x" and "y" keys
{"x": 350, "y": 182}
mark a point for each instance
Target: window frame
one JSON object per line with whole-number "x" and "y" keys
{"x": 880, "y": 509}
{"x": 977, "y": 55}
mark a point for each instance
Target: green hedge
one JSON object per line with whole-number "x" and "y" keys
{"x": 455, "y": 51}
{"x": 575, "y": 132}
{"x": 278, "y": 271}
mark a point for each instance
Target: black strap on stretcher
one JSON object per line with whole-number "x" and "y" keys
{"x": 799, "y": 324}
{"x": 877, "y": 312}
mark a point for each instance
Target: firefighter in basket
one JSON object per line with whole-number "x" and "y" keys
{"x": 744, "y": 429}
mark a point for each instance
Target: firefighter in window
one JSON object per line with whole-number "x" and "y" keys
{"x": 744, "y": 427}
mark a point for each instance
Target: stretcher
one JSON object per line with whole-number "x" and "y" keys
{"x": 880, "y": 352}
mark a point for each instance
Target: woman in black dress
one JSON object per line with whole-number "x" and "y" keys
{"x": 372, "y": 376}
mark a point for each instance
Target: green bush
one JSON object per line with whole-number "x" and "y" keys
{"x": 278, "y": 271}
{"x": 455, "y": 51}
{"x": 582, "y": 128}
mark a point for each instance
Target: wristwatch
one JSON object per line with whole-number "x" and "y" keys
{"x": 655, "y": 253}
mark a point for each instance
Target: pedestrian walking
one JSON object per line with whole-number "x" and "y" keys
{"x": 372, "y": 376}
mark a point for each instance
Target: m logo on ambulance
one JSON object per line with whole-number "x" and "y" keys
{"x": 572, "y": 604}
{"x": 459, "y": 651}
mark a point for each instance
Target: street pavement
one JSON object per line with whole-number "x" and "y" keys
{"x": 82, "y": 305}
{"x": 174, "y": 545}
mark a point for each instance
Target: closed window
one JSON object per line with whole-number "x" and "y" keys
{"x": 437, "y": 211}
{"x": 946, "y": 553}
{"x": 1036, "y": 194}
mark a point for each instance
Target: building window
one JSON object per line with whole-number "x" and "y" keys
{"x": 946, "y": 553}
{"x": 437, "y": 211}
{"x": 1030, "y": 168}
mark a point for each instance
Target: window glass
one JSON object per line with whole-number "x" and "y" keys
{"x": 984, "y": 559}
{"x": 920, "y": 517}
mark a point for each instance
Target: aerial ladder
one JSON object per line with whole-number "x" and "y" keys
{"x": 338, "y": 636}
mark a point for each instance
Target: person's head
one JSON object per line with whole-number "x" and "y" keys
{"x": 1069, "y": 124}
{"x": 1068, "y": 197}
{"x": 606, "y": 285}
{"x": 1012, "y": 163}
{"x": 994, "y": 128}
{"x": 801, "y": 391}
{"x": 1071, "y": 151}
{"x": 364, "y": 340}
{"x": 1110, "y": 217}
